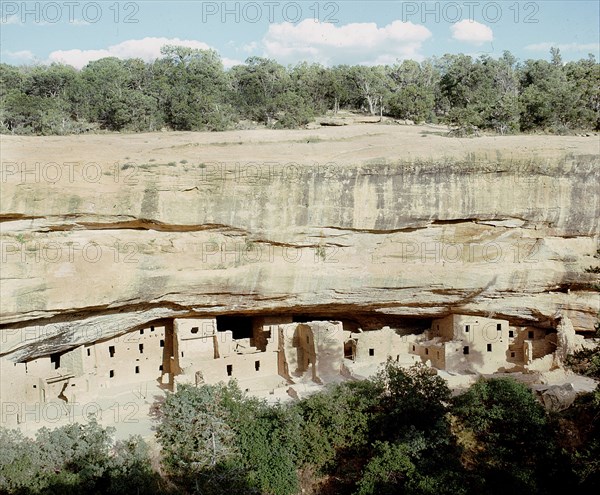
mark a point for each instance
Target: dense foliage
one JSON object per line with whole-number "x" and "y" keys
{"x": 400, "y": 432}
{"x": 189, "y": 89}
{"x": 75, "y": 459}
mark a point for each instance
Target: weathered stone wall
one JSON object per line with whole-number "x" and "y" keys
{"x": 506, "y": 239}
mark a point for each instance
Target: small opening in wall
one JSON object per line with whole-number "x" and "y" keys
{"x": 111, "y": 351}
{"x": 511, "y": 334}
{"x": 55, "y": 359}
{"x": 35, "y": 386}
{"x": 467, "y": 328}
{"x": 512, "y": 354}
{"x": 257, "y": 365}
{"x": 466, "y": 349}
{"x": 489, "y": 347}
{"x": 142, "y": 331}
{"x": 89, "y": 352}
{"x": 162, "y": 343}
{"x": 152, "y": 328}
{"x": 72, "y": 384}
{"x": 397, "y": 357}
{"x": 194, "y": 330}
{"x": 499, "y": 327}
{"x": 181, "y": 353}
{"x": 229, "y": 369}
{"x": 141, "y": 347}
{"x": 413, "y": 347}
{"x": 426, "y": 351}
{"x": 111, "y": 373}
{"x": 137, "y": 369}
{"x": 160, "y": 368}
{"x": 371, "y": 352}
{"x": 307, "y": 339}
{"x": 530, "y": 334}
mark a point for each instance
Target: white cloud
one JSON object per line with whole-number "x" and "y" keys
{"x": 230, "y": 62}
{"x": 23, "y": 55}
{"x": 9, "y": 19}
{"x": 147, "y": 49}
{"x": 250, "y": 47}
{"x": 471, "y": 32}
{"x": 564, "y": 47}
{"x": 362, "y": 43}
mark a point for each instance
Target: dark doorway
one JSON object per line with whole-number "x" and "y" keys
{"x": 241, "y": 326}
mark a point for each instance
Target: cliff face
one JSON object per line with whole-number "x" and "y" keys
{"x": 386, "y": 237}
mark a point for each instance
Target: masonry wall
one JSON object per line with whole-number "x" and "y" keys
{"x": 374, "y": 346}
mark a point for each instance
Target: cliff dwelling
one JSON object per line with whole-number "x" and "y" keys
{"x": 268, "y": 353}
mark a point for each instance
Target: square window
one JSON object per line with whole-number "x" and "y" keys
{"x": 229, "y": 369}
{"x": 371, "y": 352}
{"x": 466, "y": 349}
{"x": 489, "y": 347}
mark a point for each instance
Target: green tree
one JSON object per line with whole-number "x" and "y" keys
{"x": 507, "y": 439}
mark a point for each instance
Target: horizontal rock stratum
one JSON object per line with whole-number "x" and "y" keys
{"x": 101, "y": 234}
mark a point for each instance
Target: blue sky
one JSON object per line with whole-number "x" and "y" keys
{"x": 355, "y": 32}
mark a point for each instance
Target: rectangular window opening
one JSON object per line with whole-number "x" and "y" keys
{"x": 466, "y": 349}
{"x": 55, "y": 359}
{"x": 467, "y": 328}
{"x": 162, "y": 343}
{"x": 426, "y": 351}
{"x": 489, "y": 347}
{"x": 499, "y": 327}
{"x": 111, "y": 373}
{"x": 137, "y": 369}
{"x": 512, "y": 354}
{"x": 142, "y": 331}
{"x": 111, "y": 351}
{"x": 530, "y": 334}
{"x": 194, "y": 330}
{"x": 257, "y": 365}
{"x": 152, "y": 328}
{"x": 511, "y": 334}
{"x": 229, "y": 369}
{"x": 141, "y": 347}
{"x": 89, "y": 352}
{"x": 160, "y": 368}
{"x": 371, "y": 352}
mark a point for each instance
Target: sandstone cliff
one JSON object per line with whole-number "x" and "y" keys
{"x": 338, "y": 222}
